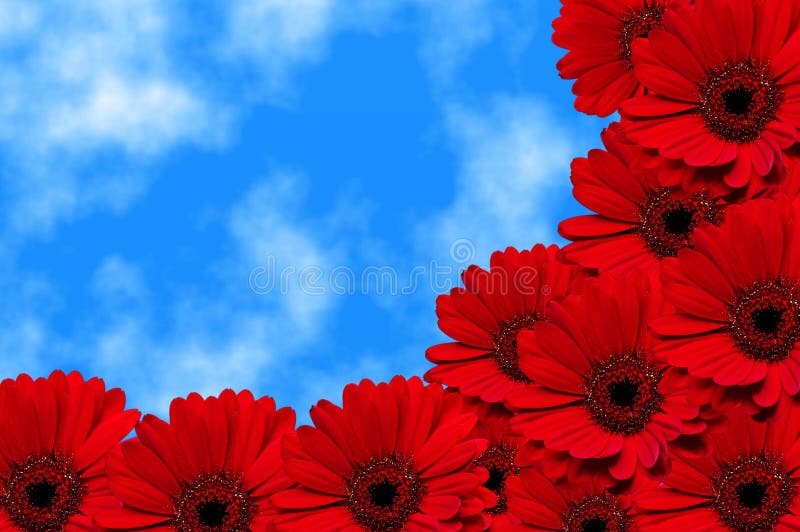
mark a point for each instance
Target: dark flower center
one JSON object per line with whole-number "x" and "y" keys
{"x": 596, "y": 513}
{"x": 505, "y": 341}
{"x": 594, "y": 525}
{"x": 739, "y": 100}
{"x": 499, "y": 461}
{"x": 214, "y": 503}
{"x": 497, "y": 477}
{"x": 384, "y": 492}
{"x": 622, "y": 393}
{"x": 765, "y": 320}
{"x": 678, "y": 221}
{"x": 639, "y": 23}
{"x": 212, "y": 513}
{"x": 667, "y": 223}
{"x": 43, "y": 493}
{"x": 752, "y": 493}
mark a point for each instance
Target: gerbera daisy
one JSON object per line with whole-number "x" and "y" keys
{"x": 397, "y": 456}
{"x": 501, "y": 456}
{"x": 737, "y": 300}
{"x": 638, "y": 220}
{"x": 211, "y": 469}
{"x": 486, "y": 316}
{"x": 723, "y": 89}
{"x": 541, "y": 505}
{"x": 599, "y": 35}
{"x": 54, "y": 436}
{"x": 600, "y": 393}
{"x": 748, "y": 483}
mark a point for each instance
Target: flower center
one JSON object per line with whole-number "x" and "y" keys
{"x": 214, "y": 503}
{"x": 383, "y": 493}
{"x": 738, "y": 100}
{"x": 639, "y": 23}
{"x": 765, "y": 320}
{"x": 505, "y": 342}
{"x": 500, "y": 463}
{"x": 622, "y": 394}
{"x": 596, "y": 513}
{"x": 42, "y": 493}
{"x": 666, "y": 223}
{"x": 752, "y": 493}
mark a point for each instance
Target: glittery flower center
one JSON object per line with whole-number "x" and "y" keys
{"x": 739, "y": 100}
{"x": 639, "y": 23}
{"x": 42, "y": 493}
{"x": 752, "y": 492}
{"x": 383, "y": 493}
{"x": 214, "y": 503}
{"x": 667, "y": 223}
{"x": 596, "y": 513}
{"x": 499, "y": 461}
{"x": 505, "y": 342}
{"x": 765, "y": 320}
{"x": 622, "y": 394}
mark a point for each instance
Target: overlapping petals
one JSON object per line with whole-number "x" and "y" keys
{"x": 638, "y": 220}
{"x": 747, "y": 482}
{"x": 737, "y": 318}
{"x": 723, "y": 89}
{"x": 396, "y": 456}
{"x": 55, "y": 434}
{"x": 601, "y": 395}
{"x": 599, "y": 35}
{"x": 212, "y": 468}
{"x": 486, "y": 316}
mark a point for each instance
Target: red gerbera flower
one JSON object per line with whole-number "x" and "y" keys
{"x": 567, "y": 507}
{"x": 211, "y": 469}
{"x": 748, "y": 482}
{"x": 486, "y": 316}
{"x": 54, "y": 435}
{"x": 599, "y": 35}
{"x": 600, "y": 393}
{"x": 638, "y": 221}
{"x": 397, "y": 456}
{"x": 501, "y": 456}
{"x": 723, "y": 88}
{"x": 737, "y": 296}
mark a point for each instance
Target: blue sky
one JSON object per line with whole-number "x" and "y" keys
{"x": 161, "y": 163}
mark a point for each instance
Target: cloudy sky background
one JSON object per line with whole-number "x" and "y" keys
{"x": 163, "y": 167}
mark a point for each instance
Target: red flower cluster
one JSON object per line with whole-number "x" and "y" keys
{"x": 645, "y": 377}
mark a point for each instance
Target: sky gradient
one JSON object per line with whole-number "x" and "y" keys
{"x": 266, "y": 194}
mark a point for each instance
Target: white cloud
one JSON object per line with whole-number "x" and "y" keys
{"x": 278, "y": 36}
{"x": 234, "y": 338}
{"x": 278, "y": 33}
{"x": 513, "y": 177}
{"x": 117, "y": 280}
{"x": 95, "y": 73}
{"x": 81, "y": 80}
{"x": 142, "y": 116}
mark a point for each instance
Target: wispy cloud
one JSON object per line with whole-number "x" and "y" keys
{"x": 300, "y": 33}
{"x": 83, "y": 80}
{"x": 512, "y": 180}
{"x": 161, "y": 347}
